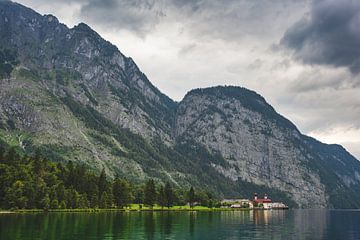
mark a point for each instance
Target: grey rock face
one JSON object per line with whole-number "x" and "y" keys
{"x": 261, "y": 146}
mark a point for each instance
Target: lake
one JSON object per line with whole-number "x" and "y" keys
{"x": 291, "y": 224}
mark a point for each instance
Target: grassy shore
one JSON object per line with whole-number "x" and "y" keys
{"x": 132, "y": 207}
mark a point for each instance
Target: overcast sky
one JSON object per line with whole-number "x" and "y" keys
{"x": 303, "y": 56}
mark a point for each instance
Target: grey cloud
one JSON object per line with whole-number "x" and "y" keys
{"x": 322, "y": 108}
{"x": 329, "y": 35}
{"x": 225, "y": 19}
{"x": 319, "y": 79}
{"x": 255, "y": 65}
{"x": 187, "y": 49}
{"x": 135, "y": 15}
{"x": 232, "y": 20}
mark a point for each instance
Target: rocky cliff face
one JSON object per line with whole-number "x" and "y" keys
{"x": 261, "y": 146}
{"x": 75, "y": 96}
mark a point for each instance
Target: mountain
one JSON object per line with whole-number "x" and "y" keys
{"x": 263, "y": 147}
{"x": 75, "y": 96}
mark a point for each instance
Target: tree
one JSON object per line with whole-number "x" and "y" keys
{"x": 162, "y": 197}
{"x": 45, "y": 202}
{"x": 150, "y": 193}
{"x": 40, "y": 191}
{"x": 2, "y": 154}
{"x": 104, "y": 200}
{"x": 72, "y": 198}
{"x": 70, "y": 177}
{"x": 15, "y": 195}
{"x": 38, "y": 163}
{"x": 60, "y": 192}
{"x": 54, "y": 204}
{"x": 138, "y": 192}
{"x": 122, "y": 192}
{"x": 202, "y": 198}
{"x": 169, "y": 195}
{"x": 94, "y": 201}
{"x": 191, "y": 197}
{"x": 83, "y": 201}
{"x": 5, "y": 180}
{"x": 102, "y": 183}
{"x": 62, "y": 204}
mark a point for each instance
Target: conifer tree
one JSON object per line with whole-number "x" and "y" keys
{"x": 38, "y": 163}
{"x": 102, "y": 183}
{"x": 150, "y": 193}
{"x": 169, "y": 195}
{"x": 162, "y": 197}
{"x": 191, "y": 197}
{"x": 122, "y": 192}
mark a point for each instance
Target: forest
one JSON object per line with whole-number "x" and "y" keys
{"x": 34, "y": 182}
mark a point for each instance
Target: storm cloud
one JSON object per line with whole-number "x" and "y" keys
{"x": 140, "y": 16}
{"x": 225, "y": 19}
{"x": 329, "y": 35}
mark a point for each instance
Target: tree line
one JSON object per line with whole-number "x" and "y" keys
{"x": 33, "y": 182}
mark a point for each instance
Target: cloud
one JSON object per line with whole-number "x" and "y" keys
{"x": 328, "y": 35}
{"x": 140, "y": 16}
{"x": 225, "y": 19}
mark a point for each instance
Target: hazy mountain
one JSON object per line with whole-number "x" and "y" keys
{"x": 77, "y": 97}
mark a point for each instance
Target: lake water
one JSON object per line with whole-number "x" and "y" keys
{"x": 291, "y": 224}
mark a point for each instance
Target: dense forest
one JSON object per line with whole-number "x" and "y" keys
{"x": 33, "y": 182}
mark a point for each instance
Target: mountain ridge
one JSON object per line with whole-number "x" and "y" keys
{"x": 105, "y": 113}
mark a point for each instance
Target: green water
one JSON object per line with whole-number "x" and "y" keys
{"x": 292, "y": 224}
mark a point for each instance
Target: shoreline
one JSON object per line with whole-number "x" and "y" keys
{"x": 96, "y": 210}
{"x": 92, "y": 210}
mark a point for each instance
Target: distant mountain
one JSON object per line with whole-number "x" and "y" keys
{"x": 76, "y": 97}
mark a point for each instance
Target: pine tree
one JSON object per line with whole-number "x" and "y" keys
{"x": 94, "y": 201}
{"x": 104, "y": 200}
{"x": 191, "y": 197}
{"x": 102, "y": 183}
{"x": 72, "y": 198}
{"x": 38, "y": 163}
{"x": 122, "y": 192}
{"x": 162, "y": 197}
{"x": 150, "y": 193}
{"x": 169, "y": 195}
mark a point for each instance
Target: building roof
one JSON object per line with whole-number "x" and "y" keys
{"x": 262, "y": 200}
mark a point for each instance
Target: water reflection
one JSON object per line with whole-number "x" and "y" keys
{"x": 306, "y": 223}
{"x": 149, "y": 225}
{"x": 192, "y": 216}
{"x": 297, "y": 224}
{"x": 265, "y": 217}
